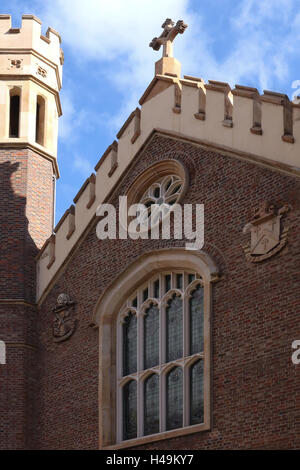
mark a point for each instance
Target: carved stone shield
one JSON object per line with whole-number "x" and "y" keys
{"x": 267, "y": 235}
{"x": 64, "y": 322}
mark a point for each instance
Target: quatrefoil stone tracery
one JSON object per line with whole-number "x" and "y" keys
{"x": 166, "y": 190}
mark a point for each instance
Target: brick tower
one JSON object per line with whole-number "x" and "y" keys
{"x": 30, "y": 80}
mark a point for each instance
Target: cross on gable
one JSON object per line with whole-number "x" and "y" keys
{"x": 167, "y": 36}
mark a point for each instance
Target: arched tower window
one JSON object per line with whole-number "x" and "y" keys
{"x": 14, "y": 112}
{"x": 40, "y": 120}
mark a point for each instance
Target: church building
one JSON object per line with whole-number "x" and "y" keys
{"x": 148, "y": 342}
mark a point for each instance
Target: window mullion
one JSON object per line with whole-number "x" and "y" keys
{"x": 162, "y": 402}
{"x": 140, "y": 367}
{"x": 119, "y": 397}
{"x": 140, "y": 408}
{"x": 140, "y": 341}
{"x": 186, "y": 396}
{"x": 186, "y": 326}
{"x": 119, "y": 413}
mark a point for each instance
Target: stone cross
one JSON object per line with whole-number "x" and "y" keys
{"x": 167, "y": 36}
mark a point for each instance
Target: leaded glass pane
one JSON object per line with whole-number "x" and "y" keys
{"x": 145, "y": 294}
{"x": 174, "y": 399}
{"x": 174, "y": 328}
{"x": 167, "y": 282}
{"x": 179, "y": 281}
{"x": 130, "y": 410}
{"x": 191, "y": 278}
{"x": 151, "y": 405}
{"x": 129, "y": 344}
{"x": 134, "y": 302}
{"x": 151, "y": 337}
{"x": 196, "y": 321}
{"x": 197, "y": 393}
{"x": 156, "y": 289}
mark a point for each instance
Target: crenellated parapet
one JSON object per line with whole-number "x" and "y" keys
{"x": 30, "y": 80}
{"x": 26, "y": 51}
{"x": 263, "y": 129}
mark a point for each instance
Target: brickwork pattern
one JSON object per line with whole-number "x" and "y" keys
{"x": 26, "y": 195}
{"x": 25, "y": 223}
{"x": 255, "y": 386}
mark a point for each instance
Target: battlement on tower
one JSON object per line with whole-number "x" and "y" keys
{"x": 17, "y": 44}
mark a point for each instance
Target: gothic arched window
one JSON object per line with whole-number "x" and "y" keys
{"x": 160, "y": 356}
{"x": 40, "y": 120}
{"x": 14, "y": 111}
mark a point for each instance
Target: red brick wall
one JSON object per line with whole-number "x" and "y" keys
{"x": 18, "y": 378}
{"x": 25, "y": 223}
{"x": 255, "y": 386}
{"x": 26, "y": 198}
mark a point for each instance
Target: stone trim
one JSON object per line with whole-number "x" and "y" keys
{"x": 51, "y": 242}
{"x": 85, "y": 184}
{"x": 17, "y": 302}
{"x": 137, "y": 125}
{"x": 159, "y": 437}
{"x": 39, "y": 82}
{"x": 146, "y": 95}
{"x": 266, "y": 163}
{"x": 72, "y": 226}
{"x": 92, "y": 195}
{"x": 113, "y": 146}
{"x": 21, "y": 345}
{"x": 38, "y": 56}
{"x": 114, "y": 158}
{"x": 105, "y": 314}
{"x": 31, "y": 17}
{"x": 137, "y": 115}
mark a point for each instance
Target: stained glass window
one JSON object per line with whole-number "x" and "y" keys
{"x": 196, "y": 321}
{"x": 129, "y": 344}
{"x": 174, "y": 399}
{"x": 130, "y": 410}
{"x": 145, "y": 294}
{"x": 151, "y": 337}
{"x": 158, "y": 403}
{"x": 179, "y": 281}
{"x": 167, "y": 282}
{"x": 156, "y": 288}
{"x": 196, "y": 393}
{"x": 151, "y": 405}
{"x": 174, "y": 328}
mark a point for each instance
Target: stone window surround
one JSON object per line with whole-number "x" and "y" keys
{"x": 105, "y": 316}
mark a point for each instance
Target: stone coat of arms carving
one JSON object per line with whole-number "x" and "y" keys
{"x": 64, "y": 322}
{"x": 267, "y": 235}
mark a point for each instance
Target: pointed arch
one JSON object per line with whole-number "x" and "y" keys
{"x": 105, "y": 315}
{"x": 14, "y": 111}
{"x": 40, "y": 120}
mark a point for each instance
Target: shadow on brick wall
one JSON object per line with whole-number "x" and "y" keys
{"x": 17, "y": 249}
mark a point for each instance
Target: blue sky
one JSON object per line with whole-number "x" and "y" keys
{"x": 108, "y": 63}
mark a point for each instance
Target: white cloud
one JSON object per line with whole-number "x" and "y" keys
{"x": 116, "y": 35}
{"x": 113, "y": 37}
{"x": 77, "y": 121}
{"x": 83, "y": 165}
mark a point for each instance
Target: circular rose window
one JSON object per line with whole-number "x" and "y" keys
{"x": 158, "y": 188}
{"x": 162, "y": 194}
